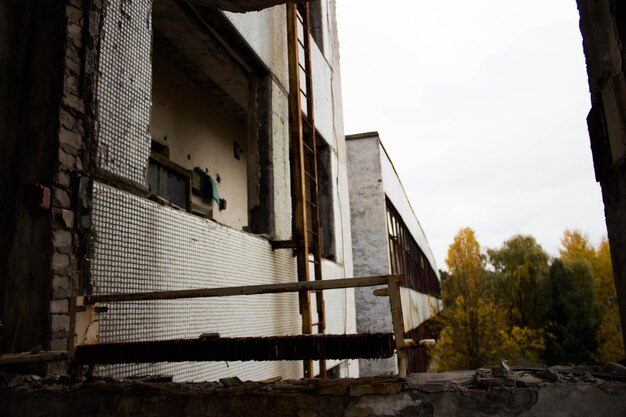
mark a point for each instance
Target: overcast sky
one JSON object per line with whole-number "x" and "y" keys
{"x": 481, "y": 106}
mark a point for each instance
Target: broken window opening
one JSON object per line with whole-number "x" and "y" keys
{"x": 211, "y": 106}
{"x": 406, "y": 257}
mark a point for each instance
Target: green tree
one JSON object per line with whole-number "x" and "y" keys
{"x": 520, "y": 266}
{"x": 569, "y": 313}
{"x": 576, "y": 247}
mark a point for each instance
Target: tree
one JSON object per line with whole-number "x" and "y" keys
{"x": 520, "y": 266}
{"x": 576, "y": 247}
{"x": 472, "y": 333}
{"x": 610, "y": 342}
{"x": 569, "y": 313}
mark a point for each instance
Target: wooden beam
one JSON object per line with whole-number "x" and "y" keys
{"x": 397, "y": 321}
{"x": 329, "y": 284}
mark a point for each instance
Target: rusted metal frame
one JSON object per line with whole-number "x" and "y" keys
{"x": 297, "y": 172}
{"x": 299, "y": 347}
{"x": 327, "y": 284}
{"x": 314, "y": 189}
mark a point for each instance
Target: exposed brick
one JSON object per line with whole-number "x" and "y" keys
{"x": 74, "y": 102}
{"x": 58, "y": 344}
{"x": 61, "y": 238}
{"x": 62, "y": 293}
{"x": 68, "y": 218}
{"x": 60, "y": 283}
{"x": 72, "y": 65}
{"x": 68, "y": 120}
{"x": 74, "y": 14}
{"x": 62, "y": 179}
{"x": 74, "y": 33}
{"x": 73, "y": 139}
{"x": 66, "y": 160}
{"x": 70, "y": 84}
{"x": 60, "y": 323}
{"x": 79, "y": 164}
{"x": 60, "y": 262}
{"x": 61, "y": 306}
{"x": 61, "y": 198}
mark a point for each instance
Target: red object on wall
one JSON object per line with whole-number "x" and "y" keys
{"x": 36, "y": 196}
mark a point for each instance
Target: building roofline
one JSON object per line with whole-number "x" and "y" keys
{"x": 364, "y": 135}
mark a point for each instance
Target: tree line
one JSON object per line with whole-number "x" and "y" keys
{"x": 517, "y": 303}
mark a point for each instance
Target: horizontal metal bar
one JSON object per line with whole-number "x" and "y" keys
{"x": 301, "y": 347}
{"x": 330, "y": 284}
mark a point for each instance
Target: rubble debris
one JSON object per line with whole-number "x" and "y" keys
{"x": 549, "y": 375}
{"x": 231, "y": 382}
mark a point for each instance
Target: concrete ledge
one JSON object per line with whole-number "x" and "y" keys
{"x": 448, "y": 394}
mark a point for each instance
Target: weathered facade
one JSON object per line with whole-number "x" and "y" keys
{"x": 387, "y": 238}
{"x": 603, "y": 26}
{"x": 160, "y": 130}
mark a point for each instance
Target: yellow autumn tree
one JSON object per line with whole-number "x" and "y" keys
{"x": 472, "y": 323}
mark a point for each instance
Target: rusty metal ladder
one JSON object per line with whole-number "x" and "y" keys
{"x": 303, "y": 145}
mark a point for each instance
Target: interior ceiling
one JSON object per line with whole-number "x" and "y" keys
{"x": 182, "y": 38}
{"x": 243, "y": 5}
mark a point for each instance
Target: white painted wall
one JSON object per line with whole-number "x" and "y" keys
{"x": 372, "y": 179}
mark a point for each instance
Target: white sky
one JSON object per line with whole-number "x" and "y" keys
{"x": 481, "y": 106}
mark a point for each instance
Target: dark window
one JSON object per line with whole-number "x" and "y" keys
{"x": 169, "y": 181}
{"x": 325, "y": 190}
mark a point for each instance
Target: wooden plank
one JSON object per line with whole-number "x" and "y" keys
{"x": 329, "y": 284}
{"x": 398, "y": 326}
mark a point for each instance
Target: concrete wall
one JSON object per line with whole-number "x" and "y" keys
{"x": 603, "y": 27}
{"x": 373, "y": 180}
{"x": 370, "y": 247}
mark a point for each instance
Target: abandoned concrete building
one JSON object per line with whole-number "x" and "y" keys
{"x": 162, "y": 141}
{"x": 170, "y": 156}
{"x": 176, "y": 171}
{"x": 382, "y": 217}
